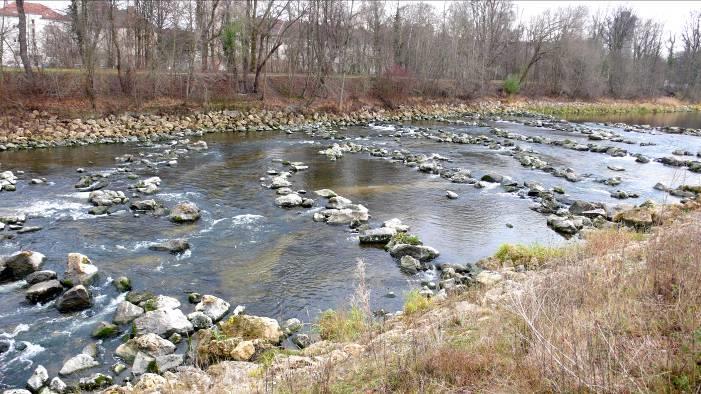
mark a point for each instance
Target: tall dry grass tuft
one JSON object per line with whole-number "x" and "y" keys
{"x": 623, "y": 319}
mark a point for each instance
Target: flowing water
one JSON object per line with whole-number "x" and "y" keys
{"x": 279, "y": 262}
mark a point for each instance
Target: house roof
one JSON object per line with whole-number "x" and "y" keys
{"x": 33, "y": 9}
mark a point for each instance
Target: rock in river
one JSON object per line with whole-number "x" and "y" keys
{"x": 213, "y": 307}
{"x": 78, "y": 363}
{"x": 40, "y": 276}
{"x": 409, "y": 265}
{"x": 163, "y": 322}
{"x": 174, "y": 246}
{"x": 126, "y": 312}
{"x": 419, "y": 252}
{"x": 451, "y": 194}
{"x": 38, "y": 379}
{"x": 19, "y": 265}
{"x": 380, "y": 235}
{"x": 289, "y": 201}
{"x": 107, "y": 198}
{"x": 44, "y": 291}
{"x": 199, "y": 320}
{"x": 185, "y": 212}
{"x": 150, "y": 344}
{"x": 79, "y": 269}
{"x": 75, "y": 299}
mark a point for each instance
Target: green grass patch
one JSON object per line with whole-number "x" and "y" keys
{"x": 529, "y": 255}
{"x": 415, "y": 303}
{"x": 341, "y": 325}
{"x": 405, "y": 238}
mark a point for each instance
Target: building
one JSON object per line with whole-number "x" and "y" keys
{"x": 40, "y": 18}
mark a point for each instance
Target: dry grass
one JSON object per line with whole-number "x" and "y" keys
{"x": 620, "y": 313}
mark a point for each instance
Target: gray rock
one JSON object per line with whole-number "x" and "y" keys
{"x": 291, "y": 326}
{"x": 199, "y": 320}
{"x": 126, "y": 312}
{"x": 38, "y": 379}
{"x": 326, "y": 193}
{"x": 451, "y": 195}
{"x": 107, "y": 198}
{"x": 105, "y": 330}
{"x": 380, "y": 235}
{"x": 57, "y": 385}
{"x": 409, "y": 265}
{"x": 40, "y": 276}
{"x": 78, "y": 363}
{"x": 150, "y": 344}
{"x": 185, "y": 212}
{"x": 301, "y": 340}
{"x": 79, "y": 269}
{"x": 169, "y": 362}
{"x": 143, "y": 363}
{"x": 419, "y": 252}
{"x": 289, "y": 201}
{"x": 18, "y": 265}
{"x": 174, "y": 246}
{"x": 75, "y": 299}
{"x": 396, "y": 224}
{"x": 579, "y": 206}
{"x": 562, "y": 225}
{"x": 44, "y": 291}
{"x": 145, "y": 205}
{"x": 492, "y": 178}
{"x": 95, "y": 382}
{"x": 163, "y": 322}
{"x": 160, "y": 302}
{"x": 213, "y": 307}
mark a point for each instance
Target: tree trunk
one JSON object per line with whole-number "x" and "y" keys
{"x": 23, "y": 39}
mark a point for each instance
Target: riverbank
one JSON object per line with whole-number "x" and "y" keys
{"x": 617, "y": 312}
{"x": 45, "y": 129}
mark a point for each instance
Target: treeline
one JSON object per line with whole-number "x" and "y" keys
{"x": 340, "y": 48}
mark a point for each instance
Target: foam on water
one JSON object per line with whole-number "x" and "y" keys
{"x": 58, "y": 209}
{"x": 10, "y": 287}
{"x": 388, "y": 127}
{"x": 18, "y": 329}
{"x": 247, "y": 218}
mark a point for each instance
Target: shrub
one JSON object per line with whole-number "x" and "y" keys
{"x": 341, "y": 325}
{"x": 529, "y": 255}
{"x": 405, "y": 238}
{"x": 415, "y": 302}
{"x": 512, "y": 85}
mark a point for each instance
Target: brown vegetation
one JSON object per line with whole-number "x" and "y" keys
{"x": 619, "y": 313}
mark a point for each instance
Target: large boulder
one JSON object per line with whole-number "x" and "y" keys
{"x": 380, "y": 235}
{"x": 419, "y": 252}
{"x": 163, "y": 322}
{"x": 38, "y": 379}
{"x": 107, "y": 198}
{"x": 78, "y": 363}
{"x": 160, "y": 302}
{"x": 215, "y": 308}
{"x": 149, "y": 185}
{"x": 44, "y": 291}
{"x": 409, "y": 265}
{"x": 289, "y": 200}
{"x": 79, "y": 269}
{"x": 492, "y": 178}
{"x": 562, "y": 225}
{"x": 579, "y": 206}
{"x": 18, "y": 265}
{"x": 40, "y": 276}
{"x": 75, "y": 299}
{"x": 150, "y": 344}
{"x": 326, "y": 193}
{"x": 126, "y": 312}
{"x": 640, "y": 217}
{"x": 174, "y": 246}
{"x": 185, "y": 212}
{"x": 252, "y": 327}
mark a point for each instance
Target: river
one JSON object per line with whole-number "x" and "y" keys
{"x": 279, "y": 262}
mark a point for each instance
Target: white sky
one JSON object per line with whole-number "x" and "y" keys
{"x": 672, "y": 13}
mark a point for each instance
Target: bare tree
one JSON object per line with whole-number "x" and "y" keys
{"x": 22, "y": 37}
